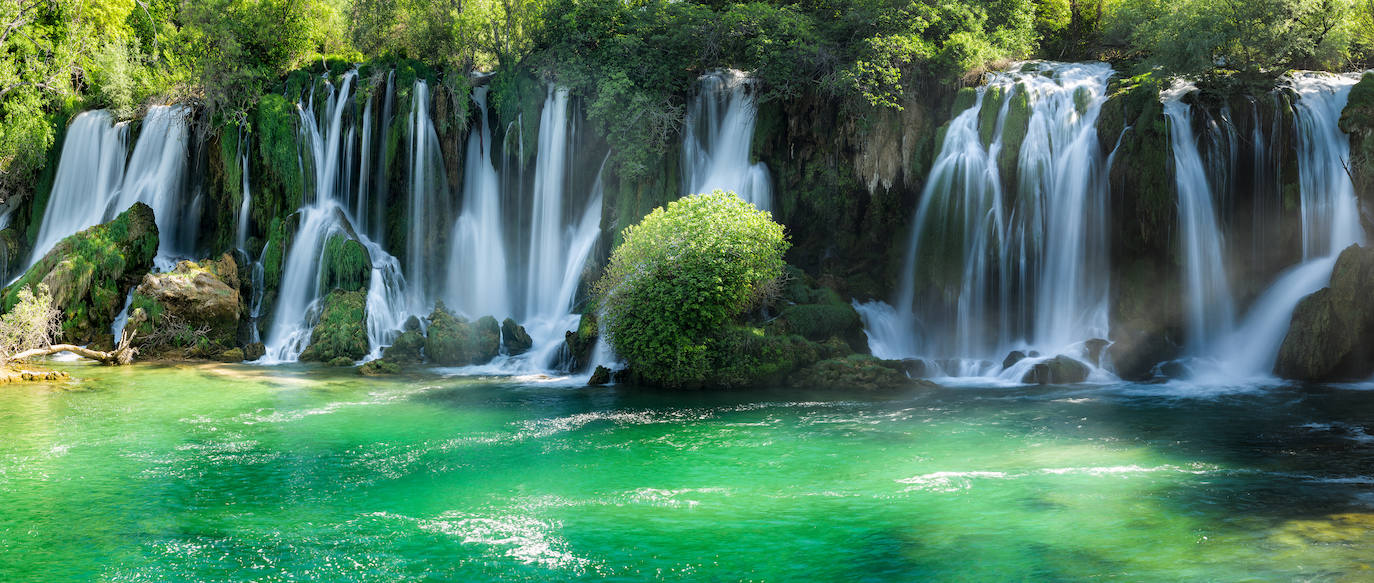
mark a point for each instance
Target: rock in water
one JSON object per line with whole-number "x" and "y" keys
{"x": 1012, "y": 358}
{"x": 601, "y": 376}
{"x": 516, "y": 340}
{"x": 454, "y": 341}
{"x": 91, "y": 272}
{"x": 342, "y": 330}
{"x": 200, "y": 296}
{"x": 1331, "y": 337}
{"x": 581, "y": 342}
{"x": 408, "y": 348}
{"x": 1059, "y": 370}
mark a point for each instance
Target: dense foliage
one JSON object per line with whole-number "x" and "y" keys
{"x": 33, "y": 322}
{"x": 632, "y": 61}
{"x": 681, "y": 275}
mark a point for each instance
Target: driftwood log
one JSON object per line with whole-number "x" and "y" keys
{"x": 121, "y": 355}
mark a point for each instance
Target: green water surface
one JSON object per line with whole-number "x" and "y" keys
{"x": 238, "y": 473}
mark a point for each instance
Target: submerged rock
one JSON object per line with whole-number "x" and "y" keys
{"x": 1059, "y": 370}
{"x": 379, "y": 367}
{"x": 91, "y": 272}
{"x": 856, "y": 371}
{"x": 342, "y": 330}
{"x": 516, "y": 340}
{"x": 1331, "y": 336}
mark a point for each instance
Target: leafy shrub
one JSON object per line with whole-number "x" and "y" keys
{"x": 33, "y": 322}
{"x": 681, "y": 276}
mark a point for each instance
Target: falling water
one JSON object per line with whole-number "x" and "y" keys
{"x": 993, "y": 269}
{"x": 547, "y": 248}
{"x": 241, "y": 235}
{"x": 1330, "y": 222}
{"x": 477, "y": 263}
{"x": 428, "y": 195}
{"x": 88, "y": 179}
{"x": 329, "y": 154}
{"x": 1209, "y": 305}
{"x": 717, "y": 136}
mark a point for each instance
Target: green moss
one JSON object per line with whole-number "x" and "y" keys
{"x": 408, "y": 347}
{"x": 275, "y": 133}
{"x": 454, "y": 341}
{"x": 987, "y": 116}
{"x": 1014, "y": 129}
{"x": 346, "y": 264}
{"x": 91, "y": 272}
{"x": 856, "y": 371}
{"x": 342, "y": 329}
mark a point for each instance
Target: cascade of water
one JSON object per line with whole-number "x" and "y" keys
{"x": 428, "y": 195}
{"x": 1330, "y": 222}
{"x": 1209, "y": 306}
{"x": 156, "y": 176}
{"x": 241, "y": 235}
{"x": 994, "y": 270}
{"x": 717, "y": 136}
{"x": 329, "y": 156}
{"x": 547, "y": 256}
{"x": 89, "y": 174}
{"x": 477, "y": 264}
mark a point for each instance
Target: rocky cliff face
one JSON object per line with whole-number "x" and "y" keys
{"x": 1332, "y": 334}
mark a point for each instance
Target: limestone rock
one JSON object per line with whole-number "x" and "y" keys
{"x": 514, "y": 337}
{"x": 201, "y": 296}
{"x": 342, "y": 329}
{"x": 1059, "y": 370}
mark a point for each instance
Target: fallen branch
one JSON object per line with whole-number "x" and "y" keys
{"x": 121, "y": 355}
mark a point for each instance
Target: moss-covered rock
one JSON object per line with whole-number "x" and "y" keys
{"x": 454, "y": 341}
{"x": 342, "y": 329}
{"x": 346, "y": 264}
{"x": 409, "y": 347}
{"x": 581, "y": 342}
{"x": 1331, "y": 336}
{"x": 854, "y": 372}
{"x": 600, "y": 376}
{"x": 379, "y": 367}
{"x": 514, "y": 338}
{"x": 91, "y": 272}
{"x": 201, "y": 297}
{"x": 1358, "y": 120}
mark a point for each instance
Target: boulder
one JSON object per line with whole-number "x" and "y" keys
{"x": 581, "y": 342}
{"x": 1093, "y": 350}
{"x": 231, "y": 355}
{"x": 514, "y": 338}
{"x": 254, "y": 351}
{"x": 454, "y": 341}
{"x": 1331, "y": 336}
{"x": 601, "y": 376}
{"x": 1012, "y": 358}
{"x": 409, "y": 347}
{"x": 202, "y": 299}
{"x": 855, "y": 372}
{"x": 1059, "y": 370}
{"x": 342, "y": 330}
{"x": 379, "y": 367}
{"x": 91, "y": 272}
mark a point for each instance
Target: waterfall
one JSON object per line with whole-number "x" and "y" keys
{"x": 1330, "y": 223}
{"x": 241, "y": 234}
{"x": 477, "y": 281}
{"x": 717, "y": 136}
{"x": 89, "y": 175}
{"x": 95, "y": 181}
{"x": 1209, "y": 306}
{"x": 329, "y": 156}
{"x": 1008, "y": 250}
{"x": 547, "y": 248}
{"x": 428, "y": 198}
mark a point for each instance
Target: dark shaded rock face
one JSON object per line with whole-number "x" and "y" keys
{"x": 91, "y": 272}
{"x": 1331, "y": 337}
{"x": 514, "y": 338}
{"x": 601, "y": 376}
{"x": 1358, "y": 121}
{"x": 856, "y": 371}
{"x": 1059, "y": 370}
{"x": 580, "y": 343}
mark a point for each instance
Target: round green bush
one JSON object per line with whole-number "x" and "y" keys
{"x": 681, "y": 276}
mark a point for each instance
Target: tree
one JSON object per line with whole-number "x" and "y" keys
{"x": 680, "y": 276}
{"x": 32, "y": 323}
